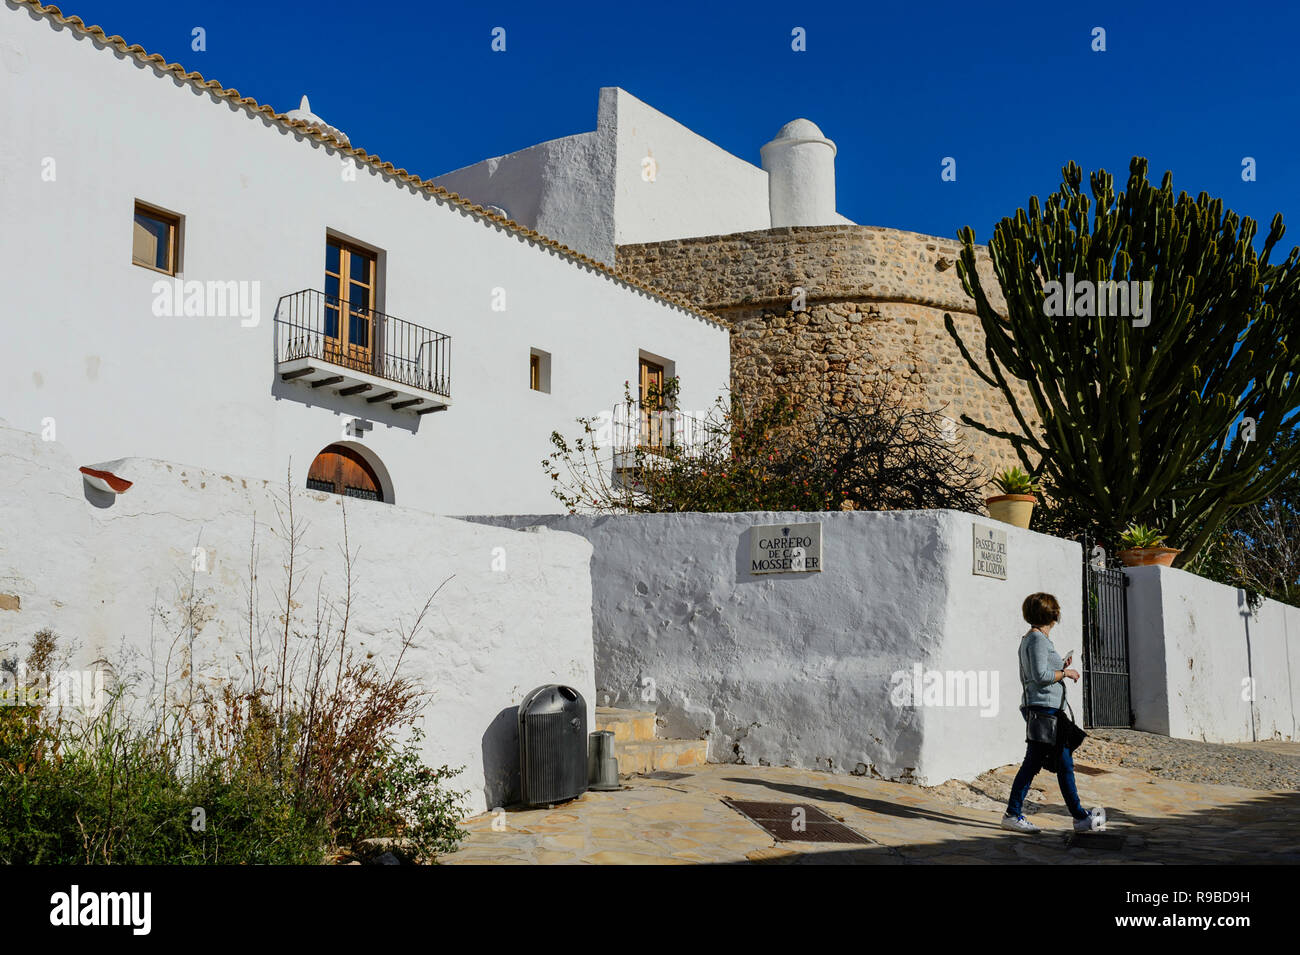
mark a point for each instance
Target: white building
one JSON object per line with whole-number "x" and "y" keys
{"x": 197, "y": 278}
{"x": 641, "y": 176}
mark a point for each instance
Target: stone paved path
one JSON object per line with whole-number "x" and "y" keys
{"x": 1164, "y": 820}
{"x": 1266, "y": 765}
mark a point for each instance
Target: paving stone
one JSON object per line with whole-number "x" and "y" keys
{"x": 770, "y": 854}
{"x": 613, "y": 857}
{"x": 1173, "y": 813}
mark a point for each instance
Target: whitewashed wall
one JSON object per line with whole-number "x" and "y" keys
{"x": 515, "y": 614}
{"x": 563, "y": 188}
{"x": 84, "y": 348}
{"x": 798, "y": 669}
{"x": 1195, "y": 647}
{"x": 592, "y": 191}
{"x": 698, "y": 187}
{"x": 983, "y": 627}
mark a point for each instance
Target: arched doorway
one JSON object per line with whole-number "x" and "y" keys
{"x": 342, "y": 470}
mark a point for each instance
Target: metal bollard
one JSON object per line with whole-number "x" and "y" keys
{"x": 602, "y": 766}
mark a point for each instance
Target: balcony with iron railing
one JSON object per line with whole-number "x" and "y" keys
{"x": 325, "y": 342}
{"x": 642, "y": 433}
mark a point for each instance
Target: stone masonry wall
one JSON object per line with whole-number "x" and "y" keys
{"x": 875, "y": 301}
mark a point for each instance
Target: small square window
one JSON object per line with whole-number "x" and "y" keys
{"x": 155, "y": 242}
{"x": 539, "y": 371}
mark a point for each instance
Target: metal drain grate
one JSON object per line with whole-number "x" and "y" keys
{"x": 664, "y": 774}
{"x": 778, "y": 820}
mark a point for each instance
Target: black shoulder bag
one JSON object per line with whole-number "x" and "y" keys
{"x": 1053, "y": 729}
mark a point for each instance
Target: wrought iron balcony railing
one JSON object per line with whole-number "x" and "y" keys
{"x": 638, "y": 427}
{"x": 311, "y": 324}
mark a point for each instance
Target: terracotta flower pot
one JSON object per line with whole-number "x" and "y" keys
{"x": 1148, "y": 556}
{"x": 1012, "y": 508}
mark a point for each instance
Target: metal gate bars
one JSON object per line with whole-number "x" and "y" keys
{"x": 1106, "y": 698}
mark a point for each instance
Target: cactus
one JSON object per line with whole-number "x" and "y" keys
{"x": 1133, "y": 420}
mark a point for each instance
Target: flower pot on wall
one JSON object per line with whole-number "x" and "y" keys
{"x": 1148, "y": 556}
{"x": 1012, "y": 508}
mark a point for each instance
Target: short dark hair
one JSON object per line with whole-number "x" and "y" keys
{"x": 1041, "y": 609}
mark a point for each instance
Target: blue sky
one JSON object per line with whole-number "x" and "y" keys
{"x": 1010, "y": 90}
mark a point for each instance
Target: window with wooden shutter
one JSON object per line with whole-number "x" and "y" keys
{"x": 155, "y": 239}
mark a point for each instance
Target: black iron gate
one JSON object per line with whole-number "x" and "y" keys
{"x": 1106, "y": 700}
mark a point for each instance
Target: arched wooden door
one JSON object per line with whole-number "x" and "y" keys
{"x": 341, "y": 470}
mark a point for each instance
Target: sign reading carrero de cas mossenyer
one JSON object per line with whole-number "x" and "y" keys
{"x": 785, "y": 548}
{"x": 990, "y": 552}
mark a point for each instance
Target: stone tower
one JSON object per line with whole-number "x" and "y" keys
{"x": 872, "y": 307}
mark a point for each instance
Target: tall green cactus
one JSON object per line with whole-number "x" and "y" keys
{"x": 1136, "y": 422}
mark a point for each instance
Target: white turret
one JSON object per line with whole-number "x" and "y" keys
{"x": 800, "y": 164}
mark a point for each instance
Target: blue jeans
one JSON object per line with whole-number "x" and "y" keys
{"x": 1034, "y": 758}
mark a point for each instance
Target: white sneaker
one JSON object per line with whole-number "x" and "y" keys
{"x": 1019, "y": 824}
{"x": 1094, "y": 822}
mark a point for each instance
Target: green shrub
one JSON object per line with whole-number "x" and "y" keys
{"x": 878, "y": 452}
{"x": 105, "y": 793}
{"x": 285, "y": 768}
{"x": 404, "y": 797}
{"x": 108, "y": 794}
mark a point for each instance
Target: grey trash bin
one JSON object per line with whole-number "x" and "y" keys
{"x": 552, "y": 745}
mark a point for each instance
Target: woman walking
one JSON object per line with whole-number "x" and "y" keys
{"x": 1041, "y": 670}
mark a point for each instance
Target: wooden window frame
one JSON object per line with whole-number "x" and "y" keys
{"x": 651, "y": 434}
{"x": 539, "y": 371}
{"x": 646, "y": 369}
{"x": 173, "y": 222}
{"x": 346, "y": 350}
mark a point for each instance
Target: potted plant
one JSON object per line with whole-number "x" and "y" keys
{"x": 1142, "y": 547}
{"x": 1015, "y": 505}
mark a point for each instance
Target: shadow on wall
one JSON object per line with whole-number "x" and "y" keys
{"x": 501, "y": 785}
{"x": 98, "y": 498}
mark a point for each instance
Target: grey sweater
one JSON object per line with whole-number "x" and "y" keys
{"x": 1038, "y": 663}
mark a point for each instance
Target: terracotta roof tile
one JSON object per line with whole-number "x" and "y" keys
{"x": 427, "y": 185}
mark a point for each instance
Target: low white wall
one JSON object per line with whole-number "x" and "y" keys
{"x": 799, "y": 669}
{"x": 1194, "y": 650}
{"x": 515, "y": 614}
{"x": 983, "y": 627}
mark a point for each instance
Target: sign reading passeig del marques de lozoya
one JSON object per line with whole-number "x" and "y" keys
{"x": 785, "y": 549}
{"x": 990, "y": 551}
